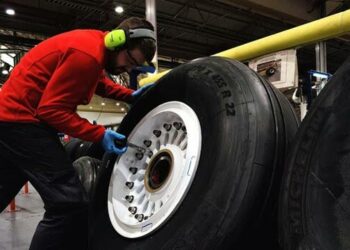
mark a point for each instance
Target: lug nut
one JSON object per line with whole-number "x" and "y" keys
{"x": 129, "y": 198}
{"x": 183, "y": 128}
{"x": 147, "y": 143}
{"x": 129, "y": 184}
{"x": 132, "y": 210}
{"x": 157, "y": 133}
{"x": 139, "y": 217}
{"x": 139, "y": 156}
{"x": 146, "y": 217}
{"x": 167, "y": 126}
{"x": 150, "y": 154}
{"x": 177, "y": 125}
{"x": 133, "y": 170}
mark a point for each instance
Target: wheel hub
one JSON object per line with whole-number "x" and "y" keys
{"x": 146, "y": 188}
{"x": 158, "y": 170}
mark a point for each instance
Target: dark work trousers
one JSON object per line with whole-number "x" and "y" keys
{"x": 33, "y": 152}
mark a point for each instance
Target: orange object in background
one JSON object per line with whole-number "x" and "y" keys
{"x": 66, "y": 138}
{"x": 12, "y": 206}
{"x": 26, "y": 188}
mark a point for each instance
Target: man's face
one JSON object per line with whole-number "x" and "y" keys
{"x": 124, "y": 61}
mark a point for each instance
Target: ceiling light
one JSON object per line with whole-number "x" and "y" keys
{"x": 123, "y": 109}
{"x": 90, "y": 107}
{"x": 10, "y": 12}
{"x": 103, "y": 104}
{"x": 119, "y": 9}
{"x": 5, "y": 72}
{"x": 117, "y": 104}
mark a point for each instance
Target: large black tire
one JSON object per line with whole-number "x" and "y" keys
{"x": 77, "y": 148}
{"x": 315, "y": 200}
{"x": 286, "y": 125}
{"x": 86, "y": 148}
{"x": 71, "y": 148}
{"x": 88, "y": 170}
{"x": 244, "y": 138}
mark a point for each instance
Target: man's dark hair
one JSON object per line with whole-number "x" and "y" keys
{"x": 146, "y": 45}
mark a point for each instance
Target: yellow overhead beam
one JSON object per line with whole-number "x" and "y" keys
{"x": 322, "y": 29}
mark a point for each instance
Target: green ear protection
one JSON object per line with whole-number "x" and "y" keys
{"x": 118, "y": 38}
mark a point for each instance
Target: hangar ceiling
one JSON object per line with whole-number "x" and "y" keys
{"x": 186, "y": 29}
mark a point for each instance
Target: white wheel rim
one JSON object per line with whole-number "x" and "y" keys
{"x": 155, "y": 204}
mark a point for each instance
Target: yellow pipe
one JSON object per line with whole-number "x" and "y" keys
{"x": 322, "y": 29}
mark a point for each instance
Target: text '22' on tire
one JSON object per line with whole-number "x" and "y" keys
{"x": 315, "y": 204}
{"x": 214, "y": 135}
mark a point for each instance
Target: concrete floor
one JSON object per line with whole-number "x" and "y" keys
{"x": 17, "y": 228}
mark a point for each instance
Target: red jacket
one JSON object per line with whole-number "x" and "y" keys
{"x": 56, "y": 76}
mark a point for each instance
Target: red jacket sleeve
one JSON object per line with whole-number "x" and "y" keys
{"x": 71, "y": 83}
{"x": 107, "y": 88}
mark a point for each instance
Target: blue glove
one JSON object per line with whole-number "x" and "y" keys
{"x": 138, "y": 93}
{"x": 109, "y": 142}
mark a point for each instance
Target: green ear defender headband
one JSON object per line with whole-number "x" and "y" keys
{"x": 119, "y": 37}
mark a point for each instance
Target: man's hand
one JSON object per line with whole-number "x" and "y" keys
{"x": 138, "y": 93}
{"x": 109, "y": 142}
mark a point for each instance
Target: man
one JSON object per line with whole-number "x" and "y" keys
{"x": 40, "y": 98}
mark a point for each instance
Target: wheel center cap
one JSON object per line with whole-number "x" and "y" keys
{"x": 158, "y": 170}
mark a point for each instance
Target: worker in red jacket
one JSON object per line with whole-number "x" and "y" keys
{"x": 40, "y": 98}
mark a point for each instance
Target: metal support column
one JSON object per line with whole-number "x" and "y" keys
{"x": 321, "y": 53}
{"x": 321, "y": 49}
{"x": 321, "y": 57}
{"x": 152, "y": 18}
